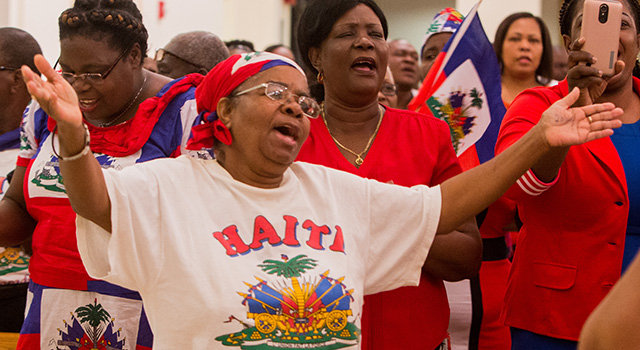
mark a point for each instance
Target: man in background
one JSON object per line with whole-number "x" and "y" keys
{"x": 403, "y": 61}
{"x": 192, "y": 52}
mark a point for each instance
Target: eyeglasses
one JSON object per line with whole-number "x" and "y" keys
{"x": 160, "y": 53}
{"x": 7, "y": 68}
{"x": 91, "y": 78}
{"x": 388, "y": 89}
{"x": 281, "y": 94}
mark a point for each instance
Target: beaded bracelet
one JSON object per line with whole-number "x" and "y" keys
{"x": 85, "y": 150}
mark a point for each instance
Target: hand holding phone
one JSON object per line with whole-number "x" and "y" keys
{"x": 601, "y": 20}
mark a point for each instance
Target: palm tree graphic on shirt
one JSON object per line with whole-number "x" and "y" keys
{"x": 297, "y": 314}
{"x": 291, "y": 269}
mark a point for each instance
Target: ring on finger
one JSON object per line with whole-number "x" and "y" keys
{"x": 590, "y": 119}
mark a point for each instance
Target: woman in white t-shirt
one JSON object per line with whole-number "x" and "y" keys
{"x": 252, "y": 248}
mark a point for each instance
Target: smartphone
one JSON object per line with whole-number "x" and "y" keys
{"x": 601, "y": 20}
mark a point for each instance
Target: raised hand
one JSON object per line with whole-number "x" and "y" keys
{"x": 55, "y": 95}
{"x": 563, "y": 126}
{"x": 589, "y": 79}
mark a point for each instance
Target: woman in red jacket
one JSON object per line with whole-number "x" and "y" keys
{"x": 578, "y": 205}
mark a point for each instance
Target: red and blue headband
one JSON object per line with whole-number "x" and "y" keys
{"x": 225, "y": 77}
{"x": 447, "y": 21}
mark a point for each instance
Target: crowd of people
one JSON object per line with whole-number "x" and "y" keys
{"x": 215, "y": 195}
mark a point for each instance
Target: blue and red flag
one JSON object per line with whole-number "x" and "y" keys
{"x": 463, "y": 88}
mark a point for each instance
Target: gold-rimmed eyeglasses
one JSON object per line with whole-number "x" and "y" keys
{"x": 91, "y": 78}
{"x": 281, "y": 94}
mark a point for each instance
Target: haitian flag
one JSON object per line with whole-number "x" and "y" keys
{"x": 463, "y": 88}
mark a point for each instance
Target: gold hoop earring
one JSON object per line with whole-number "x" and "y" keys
{"x": 320, "y": 77}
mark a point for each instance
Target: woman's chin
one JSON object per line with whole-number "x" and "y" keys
{"x": 357, "y": 91}
{"x": 282, "y": 157}
{"x": 524, "y": 72}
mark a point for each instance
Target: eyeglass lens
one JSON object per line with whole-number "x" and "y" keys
{"x": 388, "y": 89}
{"x": 91, "y": 78}
{"x": 159, "y": 55}
{"x": 280, "y": 93}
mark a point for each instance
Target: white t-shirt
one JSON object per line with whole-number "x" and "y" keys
{"x": 216, "y": 258}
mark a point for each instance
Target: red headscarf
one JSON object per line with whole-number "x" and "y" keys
{"x": 220, "y": 82}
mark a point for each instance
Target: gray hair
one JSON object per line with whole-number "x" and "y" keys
{"x": 202, "y": 48}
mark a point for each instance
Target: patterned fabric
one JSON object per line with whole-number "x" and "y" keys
{"x": 63, "y": 317}
{"x": 533, "y": 186}
{"x": 156, "y": 131}
{"x": 463, "y": 88}
{"x": 447, "y": 21}
{"x": 14, "y": 261}
{"x": 14, "y": 264}
{"x": 9, "y": 145}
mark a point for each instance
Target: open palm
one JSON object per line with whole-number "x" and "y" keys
{"x": 55, "y": 96}
{"x": 564, "y": 126}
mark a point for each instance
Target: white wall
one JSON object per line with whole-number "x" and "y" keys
{"x": 264, "y": 22}
{"x": 179, "y": 16}
{"x": 4, "y": 11}
{"x": 550, "y": 14}
{"x": 39, "y": 18}
{"x": 492, "y": 12}
{"x": 409, "y": 19}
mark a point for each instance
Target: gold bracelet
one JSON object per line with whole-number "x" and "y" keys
{"x": 85, "y": 150}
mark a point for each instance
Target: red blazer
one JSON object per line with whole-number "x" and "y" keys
{"x": 569, "y": 253}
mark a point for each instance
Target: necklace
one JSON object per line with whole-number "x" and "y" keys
{"x": 359, "y": 159}
{"x": 114, "y": 120}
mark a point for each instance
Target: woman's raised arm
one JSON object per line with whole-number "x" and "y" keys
{"x": 469, "y": 193}
{"x": 83, "y": 179}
